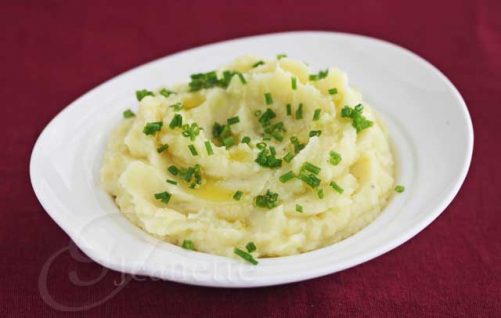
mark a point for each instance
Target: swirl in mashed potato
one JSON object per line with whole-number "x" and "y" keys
{"x": 260, "y": 151}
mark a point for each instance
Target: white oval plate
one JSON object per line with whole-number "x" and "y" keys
{"x": 428, "y": 121}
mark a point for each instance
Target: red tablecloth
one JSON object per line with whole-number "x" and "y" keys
{"x": 54, "y": 51}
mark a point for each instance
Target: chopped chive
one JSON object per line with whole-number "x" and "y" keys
{"x": 143, "y": 93}
{"x": 193, "y": 150}
{"x": 233, "y": 120}
{"x": 288, "y": 157}
{"x": 287, "y": 176}
{"x": 177, "y": 106}
{"x": 359, "y": 122}
{"x": 309, "y": 179}
{"x": 257, "y": 64}
{"x": 173, "y": 170}
{"x": 162, "y": 148}
{"x": 177, "y": 121}
{"x": 164, "y": 197}
{"x": 314, "y": 133}
{"x": 299, "y": 112}
{"x": 267, "y": 116}
{"x": 246, "y": 256}
{"x": 333, "y": 91}
{"x": 257, "y": 113}
{"x": 299, "y": 208}
{"x": 191, "y": 131}
{"x": 251, "y": 247}
{"x": 320, "y": 193}
{"x": 165, "y": 92}
{"x": 319, "y": 76}
{"x": 297, "y": 145}
{"x": 268, "y": 200}
{"x": 261, "y": 145}
{"x": 336, "y": 187}
{"x": 266, "y": 138}
{"x": 174, "y": 182}
{"x": 128, "y": 113}
{"x": 188, "y": 245}
{"x": 246, "y": 140}
{"x": 289, "y": 109}
{"x": 281, "y": 56}
{"x": 268, "y": 98}
{"x": 399, "y": 188}
{"x": 152, "y": 128}
{"x": 334, "y": 158}
{"x": 311, "y": 168}
{"x": 238, "y": 195}
{"x": 242, "y": 78}
{"x": 208, "y": 147}
{"x": 273, "y": 151}
{"x": 294, "y": 83}
{"x": 228, "y": 142}
{"x": 316, "y": 115}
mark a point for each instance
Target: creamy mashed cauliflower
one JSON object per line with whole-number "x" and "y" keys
{"x": 263, "y": 154}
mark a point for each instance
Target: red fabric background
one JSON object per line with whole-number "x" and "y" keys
{"x": 54, "y": 51}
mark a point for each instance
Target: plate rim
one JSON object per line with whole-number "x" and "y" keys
{"x": 380, "y": 250}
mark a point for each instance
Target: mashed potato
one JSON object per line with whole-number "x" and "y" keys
{"x": 260, "y": 151}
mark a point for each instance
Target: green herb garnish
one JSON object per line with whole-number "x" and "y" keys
{"x": 192, "y": 175}
{"x": 268, "y": 200}
{"x": 289, "y": 109}
{"x": 233, "y": 120}
{"x": 246, "y": 140}
{"x": 228, "y": 142}
{"x": 174, "y": 182}
{"x": 319, "y": 76}
{"x": 208, "y": 147}
{"x": 281, "y": 56}
{"x": 359, "y": 122}
{"x": 164, "y": 197}
{"x": 177, "y": 106}
{"x": 299, "y": 208}
{"x": 238, "y": 195}
{"x": 332, "y": 91}
{"x": 288, "y": 157}
{"x": 191, "y": 131}
{"x": 246, "y": 256}
{"x": 297, "y": 145}
{"x": 294, "y": 83}
{"x": 173, "y": 170}
{"x": 251, "y": 247}
{"x": 177, "y": 121}
{"x": 128, "y": 113}
{"x": 399, "y": 188}
{"x": 162, "y": 148}
{"x": 143, "y": 93}
{"x": 267, "y": 159}
{"x": 242, "y": 78}
{"x": 257, "y": 64}
{"x": 188, "y": 245}
{"x": 311, "y": 168}
{"x": 165, "y": 92}
{"x": 320, "y": 193}
{"x": 287, "y": 176}
{"x": 336, "y": 187}
{"x": 334, "y": 158}
{"x": 268, "y": 98}
{"x": 193, "y": 150}
{"x": 152, "y": 128}
{"x": 299, "y": 112}
{"x": 309, "y": 179}
{"x": 314, "y": 133}
{"x": 316, "y": 115}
